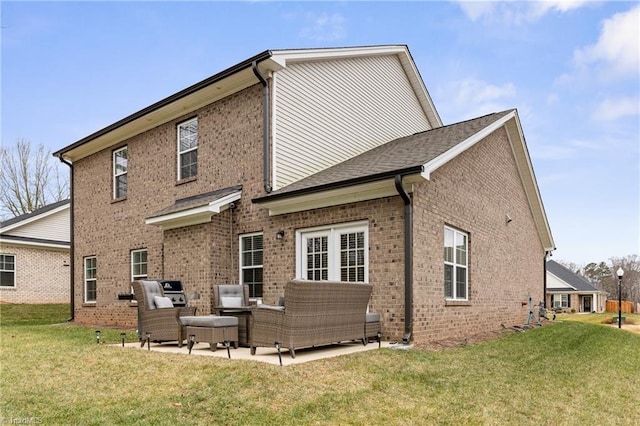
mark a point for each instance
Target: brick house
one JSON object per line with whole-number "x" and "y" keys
{"x": 316, "y": 164}
{"x": 568, "y": 291}
{"x": 34, "y": 256}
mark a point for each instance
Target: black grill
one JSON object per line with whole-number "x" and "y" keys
{"x": 174, "y": 290}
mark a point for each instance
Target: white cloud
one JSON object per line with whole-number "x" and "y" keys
{"x": 516, "y": 12}
{"x": 324, "y": 27}
{"x": 470, "y": 97}
{"x": 618, "y": 47}
{"x": 612, "y": 109}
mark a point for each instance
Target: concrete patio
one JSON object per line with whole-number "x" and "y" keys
{"x": 267, "y": 355}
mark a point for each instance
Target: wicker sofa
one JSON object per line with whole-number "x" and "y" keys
{"x": 314, "y": 314}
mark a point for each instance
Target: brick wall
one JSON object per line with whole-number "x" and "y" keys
{"x": 474, "y": 193}
{"x": 41, "y": 276}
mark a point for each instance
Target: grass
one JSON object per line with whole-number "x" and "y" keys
{"x": 603, "y": 318}
{"x": 565, "y": 373}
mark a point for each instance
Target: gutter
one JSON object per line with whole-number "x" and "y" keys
{"x": 408, "y": 260}
{"x": 166, "y": 101}
{"x": 266, "y": 152}
{"x": 71, "y": 242}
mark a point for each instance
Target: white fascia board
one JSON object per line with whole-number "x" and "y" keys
{"x": 194, "y": 216}
{"x": 297, "y": 55}
{"x": 444, "y": 158}
{"x": 8, "y": 242}
{"x": 339, "y": 196}
{"x": 35, "y": 218}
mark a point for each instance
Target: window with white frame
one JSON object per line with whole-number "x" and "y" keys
{"x": 456, "y": 277}
{"x": 188, "y": 149}
{"x": 90, "y": 282}
{"x": 138, "y": 264}
{"x": 7, "y": 270}
{"x": 336, "y": 253}
{"x": 560, "y": 300}
{"x": 251, "y": 258}
{"x": 120, "y": 158}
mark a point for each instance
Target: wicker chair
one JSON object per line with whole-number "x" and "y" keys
{"x": 233, "y": 300}
{"x": 315, "y": 313}
{"x": 154, "y": 323}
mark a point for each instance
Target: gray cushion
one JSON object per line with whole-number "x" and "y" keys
{"x": 212, "y": 321}
{"x": 272, "y": 307}
{"x": 372, "y": 317}
{"x": 162, "y": 302}
{"x": 151, "y": 288}
{"x": 231, "y": 301}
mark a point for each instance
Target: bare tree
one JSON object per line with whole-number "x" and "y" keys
{"x": 631, "y": 281}
{"x": 30, "y": 179}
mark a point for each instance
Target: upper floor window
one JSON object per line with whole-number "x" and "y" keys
{"x": 455, "y": 264}
{"x": 188, "y": 149}
{"x": 138, "y": 264}
{"x": 90, "y": 279}
{"x": 120, "y": 158}
{"x": 336, "y": 253}
{"x": 7, "y": 270}
{"x": 251, "y": 256}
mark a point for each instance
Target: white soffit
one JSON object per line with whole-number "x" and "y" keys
{"x": 195, "y": 215}
{"x": 339, "y": 196}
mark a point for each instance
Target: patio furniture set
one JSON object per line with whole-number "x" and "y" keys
{"x": 310, "y": 314}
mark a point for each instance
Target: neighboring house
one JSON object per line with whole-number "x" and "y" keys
{"x": 34, "y": 256}
{"x": 567, "y": 291}
{"x": 322, "y": 164}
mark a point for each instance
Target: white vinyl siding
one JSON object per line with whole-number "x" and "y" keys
{"x": 328, "y": 111}
{"x": 335, "y": 253}
{"x": 53, "y": 227}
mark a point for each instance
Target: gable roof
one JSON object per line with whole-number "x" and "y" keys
{"x": 573, "y": 280}
{"x": 41, "y": 228}
{"x": 196, "y": 209}
{"x": 371, "y": 175}
{"x": 232, "y": 80}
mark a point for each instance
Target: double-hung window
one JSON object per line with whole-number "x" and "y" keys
{"x": 336, "y": 253}
{"x": 456, "y": 256}
{"x": 90, "y": 279}
{"x": 120, "y": 158}
{"x": 251, "y": 258}
{"x": 560, "y": 300}
{"x": 7, "y": 270}
{"x": 138, "y": 264}
{"x": 188, "y": 149}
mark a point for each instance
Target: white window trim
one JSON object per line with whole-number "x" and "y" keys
{"x": 116, "y": 175}
{"x": 241, "y": 267}
{"x": 562, "y": 298}
{"x": 86, "y": 280}
{"x": 186, "y": 150}
{"x": 15, "y": 269}
{"x": 333, "y": 232}
{"x": 456, "y": 265}
{"x": 137, "y": 277}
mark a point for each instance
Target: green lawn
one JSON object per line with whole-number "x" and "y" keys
{"x": 565, "y": 373}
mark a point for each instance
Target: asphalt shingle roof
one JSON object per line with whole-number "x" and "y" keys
{"x": 566, "y": 275}
{"x": 408, "y": 153}
{"x": 196, "y": 201}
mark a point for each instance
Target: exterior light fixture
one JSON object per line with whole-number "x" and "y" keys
{"x": 98, "y": 336}
{"x": 122, "y": 336}
{"x": 620, "y": 274}
{"x": 280, "y": 234}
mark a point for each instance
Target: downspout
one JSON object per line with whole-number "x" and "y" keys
{"x": 266, "y": 151}
{"x": 408, "y": 260}
{"x": 71, "y": 241}
{"x": 544, "y": 280}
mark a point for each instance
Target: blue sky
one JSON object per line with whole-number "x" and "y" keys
{"x": 570, "y": 68}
